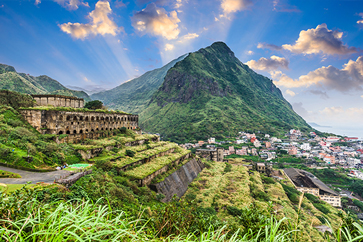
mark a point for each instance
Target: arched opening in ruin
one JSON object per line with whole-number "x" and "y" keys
{"x": 86, "y": 131}
{"x": 60, "y": 117}
{"x": 106, "y": 128}
{"x": 60, "y": 132}
{"x": 107, "y": 119}
{"x": 81, "y": 118}
{"x": 92, "y": 130}
{"x": 74, "y": 131}
{"x": 92, "y": 119}
{"x": 97, "y": 119}
{"x": 81, "y": 131}
{"x": 128, "y": 118}
{"x": 101, "y": 128}
{"x": 86, "y": 119}
{"x": 68, "y": 132}
{"x": 97, "y": 129}
{"x": 68, "y": 118}
{"x": 102, "y": 118}
{"x": 75, "y": 118}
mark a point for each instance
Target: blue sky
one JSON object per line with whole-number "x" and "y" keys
{"x": 311, "y": 49}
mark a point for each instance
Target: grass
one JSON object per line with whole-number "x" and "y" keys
{"x": 7, "y": 188}
{"x": 238, "y": 188}
{"x": 162, "y": 177}
{"x": 145, "y": 154}
{"x": 156, "y": 164}
{"x": 8, "y": 174}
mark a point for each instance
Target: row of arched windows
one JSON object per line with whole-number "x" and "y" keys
{"x": 97, "y": 119}
{"x": 81, "y": 131}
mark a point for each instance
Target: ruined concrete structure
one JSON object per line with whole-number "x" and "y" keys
{"x": 58, "y": 101}
{"x": 306, "y": 182}
{"x": 77, "y": 125}
{"x": 211, "y": 154}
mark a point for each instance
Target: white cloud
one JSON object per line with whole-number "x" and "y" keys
{"x": 272, "y": 63}
{"x": 250, "y": 52}
{"x": 231, "y": 6}
{"x": 320, "y": 40}
{"x": 216, "y": 19}
{"x": 361, "y": 20}
{"x": 100, "y": 23}
{"x": 169, "y": 47}
{"x": 37, "y": 2}
{"x": 291, "y": 93}
{"x": 71, "y": 4}
{"x": 178, "y": 4}
{"x": 187, "y": 37}
{"x": 361, "y": 96}
{"x": 86, "y": 79}
{"x": 350, "y": 77}
{"x": 155, "y": 21}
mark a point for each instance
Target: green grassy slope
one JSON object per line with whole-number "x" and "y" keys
{"x": 229, "y": 191}
{"x": 21, "y": 82}
{"x": 211, "y": 93}
{"x": 133, "y": 96}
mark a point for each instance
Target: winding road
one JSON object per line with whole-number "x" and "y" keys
{"x": 34, "y": 177}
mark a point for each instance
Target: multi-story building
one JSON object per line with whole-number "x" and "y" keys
{"x": 211, "y": 154}
{"x": 306, "y": 182}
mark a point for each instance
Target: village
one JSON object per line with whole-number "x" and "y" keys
{"x": 314, "y": 150}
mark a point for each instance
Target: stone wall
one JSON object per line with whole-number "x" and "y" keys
{"x": 147, "y": 180}
{"x": 78, "y": 125}
{"x": 177, "y": 183}
{"x": 59, "y": 101}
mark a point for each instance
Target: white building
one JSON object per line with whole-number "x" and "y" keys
{"x": 257, "y": 143}
{"x": 211, "y": 140}
{"x": 305, "y": 146}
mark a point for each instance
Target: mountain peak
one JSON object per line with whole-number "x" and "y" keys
{"x": 5, "y": 68}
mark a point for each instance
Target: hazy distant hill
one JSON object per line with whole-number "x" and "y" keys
{"x": 212, "y": 93}
{"x": 24, "y": 83}
{"x": 133, "y": 96}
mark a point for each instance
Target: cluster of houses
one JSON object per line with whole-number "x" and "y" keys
{"x": 295, "y": 144}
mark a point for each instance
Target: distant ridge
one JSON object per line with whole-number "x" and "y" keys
{"x": 134, "y": 95}
{"x": 25, "y": 83}
{"x": 317, "y": 125}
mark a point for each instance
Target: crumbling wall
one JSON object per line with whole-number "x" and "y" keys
{"x": 177, "y": 183}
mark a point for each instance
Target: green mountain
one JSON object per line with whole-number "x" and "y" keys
{"x": 133, "y": 96}
{"x": 24, "y": 83}
{"x": 212, "y": 93}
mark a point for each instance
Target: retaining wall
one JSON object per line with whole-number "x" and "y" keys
{"x": 177, "y": 183}
{"x": 147, "y": 180}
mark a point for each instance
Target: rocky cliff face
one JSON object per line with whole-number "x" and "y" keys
{"x": 212, "y": 93}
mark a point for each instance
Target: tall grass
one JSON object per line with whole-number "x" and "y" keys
{"x": 85, "y": 221}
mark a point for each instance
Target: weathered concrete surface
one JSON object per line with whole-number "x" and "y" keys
{"x": 177, "y": 183}
{"x": 34, "y": 177}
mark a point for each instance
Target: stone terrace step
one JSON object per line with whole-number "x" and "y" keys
{"x": 148, "y": 171}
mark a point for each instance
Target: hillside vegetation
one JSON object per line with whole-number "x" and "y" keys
{"x": 211, "y": 93}
{"x": 232, "y": 191}
{"x": 133, "y": 96}
{"x": 25, "y": 83}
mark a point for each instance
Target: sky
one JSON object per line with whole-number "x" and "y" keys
{"x": 311, "y": 49}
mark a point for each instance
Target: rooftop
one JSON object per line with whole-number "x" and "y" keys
{"x": 58, "y": 96}
{"x": 302, "y": 178}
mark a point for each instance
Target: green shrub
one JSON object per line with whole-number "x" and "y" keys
{"x": 228, "y": 167}
{"x": 267, "y": 180}
{"x": 160, "y": 196}
{"x": 95, "y": 104}
{"x": 130, "y": 153}
{"x": 312, "y": 198}
{"x": 291, "y": 193}
{"x": 322, "y": 208}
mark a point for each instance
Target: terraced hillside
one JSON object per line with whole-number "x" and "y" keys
{"x": 142, "y": 158}
{"x": 231, "y": 190}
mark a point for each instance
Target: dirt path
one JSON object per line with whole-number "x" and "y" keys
{"x": 34, "y": 177}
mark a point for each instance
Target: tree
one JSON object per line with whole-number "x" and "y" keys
{"x": 95, "y": 104}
